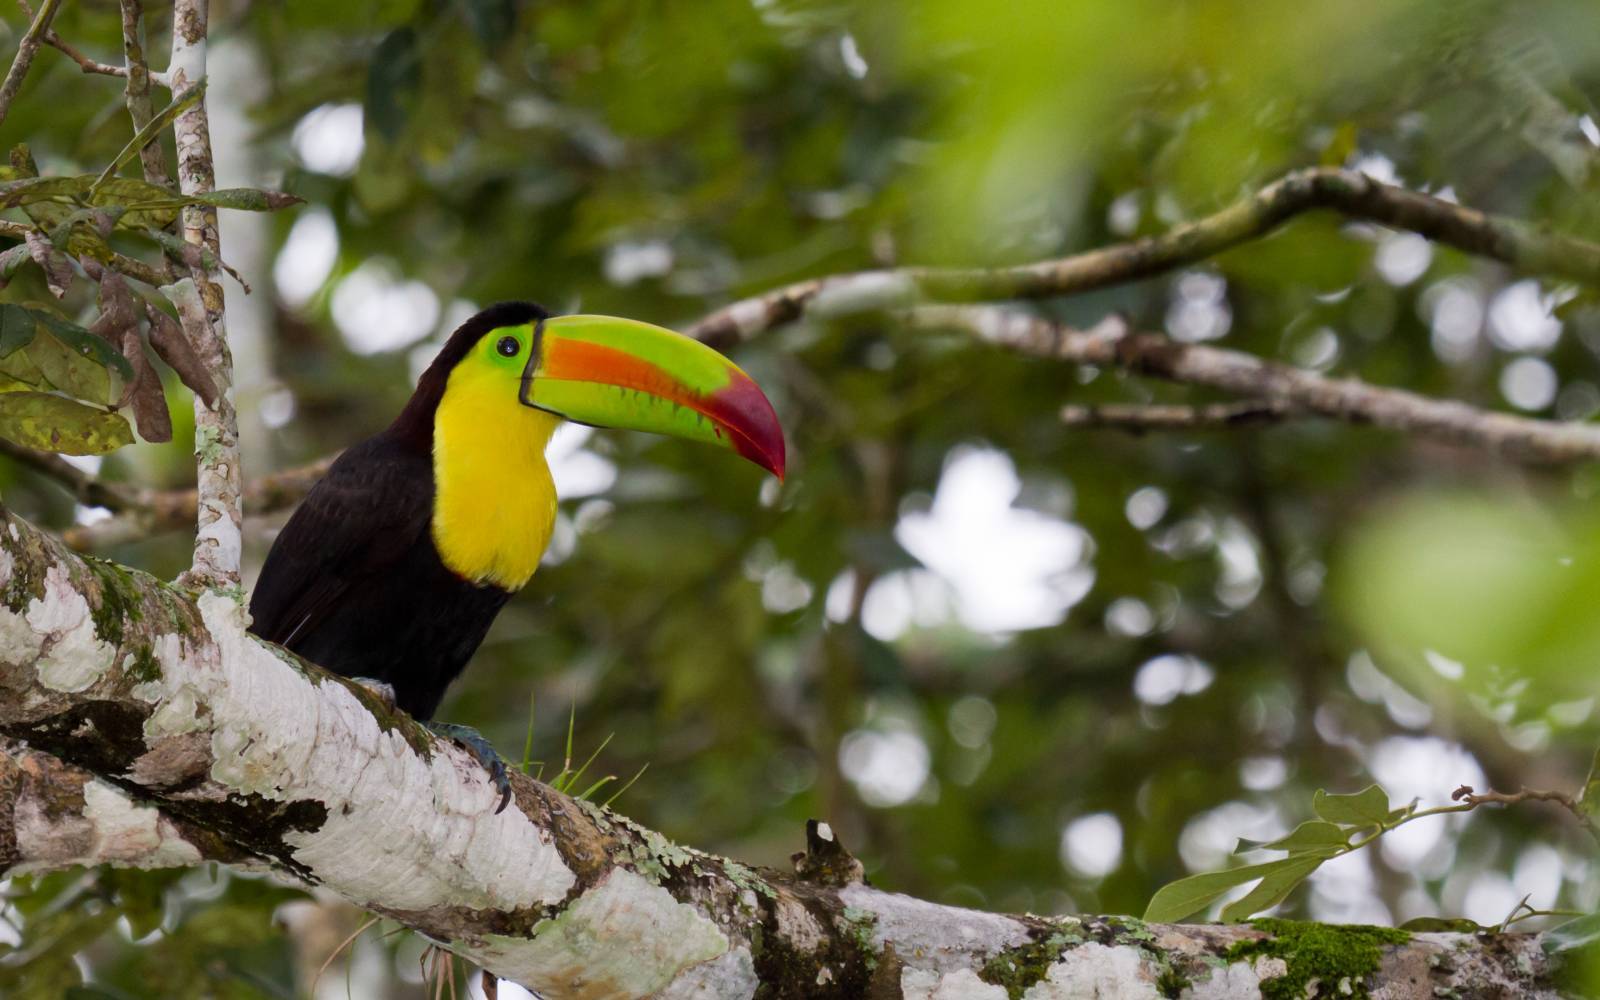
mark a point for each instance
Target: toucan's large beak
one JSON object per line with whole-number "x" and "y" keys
{"x": 621, "y": 373}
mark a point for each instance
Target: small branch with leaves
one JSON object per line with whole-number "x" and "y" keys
{"x": 1344, "y": 824}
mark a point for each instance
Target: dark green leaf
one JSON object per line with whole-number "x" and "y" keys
{"x": 16, "y": 328}
{"x": 491, "y": 20}
{"x": 46, "y": 422}
{"x": 1368, "y": 807}
{"x": 393, "y": 79}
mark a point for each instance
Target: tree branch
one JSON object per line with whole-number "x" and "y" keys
{"x": 54, "y": 815}
{"x": 1113, "y": 345}
{"x": 1571, "y": 803}
{"x": 85, "y": 488}
{"x": 57, "y": 42}
{"x": 26, "y": 49}
{"x": 136, "y": 94}
{"x": 217, "y": 545}
{"x": 238, "y": 750}
{"x": 1353, "y": 194}
{"x": 1138, "y": 418}
{"x": 159, "y": 511}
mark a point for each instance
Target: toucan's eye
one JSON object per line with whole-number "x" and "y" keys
{"x": 508, "y": 346}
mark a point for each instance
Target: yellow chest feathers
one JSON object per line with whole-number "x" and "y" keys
{"x": 494, "y": 502}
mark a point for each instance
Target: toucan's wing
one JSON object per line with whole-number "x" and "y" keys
{"x": 358, "y": 521}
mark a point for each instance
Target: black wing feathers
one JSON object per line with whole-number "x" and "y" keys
{"x": 357, "y": 523}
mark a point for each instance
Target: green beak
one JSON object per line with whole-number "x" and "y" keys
{"x": 629, "y": 375}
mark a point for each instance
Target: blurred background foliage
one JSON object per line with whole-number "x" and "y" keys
{"x": 1015, "y": 666}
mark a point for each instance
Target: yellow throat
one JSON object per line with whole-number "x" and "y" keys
{"x": 494, "y": 501}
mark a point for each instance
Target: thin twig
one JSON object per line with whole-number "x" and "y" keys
{"x": 160, "y": 511}
{"x": 1466, "y": 795}
{"x": 137, "y": 92}
{"x": 25, "y": 53}
{"x": 55, "y": 41}
{"x": 1353, "y": 194}
{"x": 1111, "y": 344}
{"x": 130, "y": 266}
{"x": 1138, "y": 418}
{"x": 85, "y": 488}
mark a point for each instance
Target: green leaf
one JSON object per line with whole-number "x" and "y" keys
{"x": 69, "y": 371}
{"x": 47, "y": 422}
{"x": 1314, "y": 836}
{"x": 32, "y": 189}
{"x": 17, "y": 365}
{"x": 1584, "y": 932}
{"x": 157, "y": 206}
{"x": 12, "y": 259}
{"x": 1188, "y": 896}
{"x": 1274, "y": 886}
{"x": 85, "y": 343}
{"x": 394, "y": 77}
{"x": 16, "y": 328}
{"x": 1368, "y": 807}
{"x": 152, "y": 128}
{"x": 246, "y": 199}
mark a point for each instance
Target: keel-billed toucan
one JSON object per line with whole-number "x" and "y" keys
{"x": 400, "y": 557}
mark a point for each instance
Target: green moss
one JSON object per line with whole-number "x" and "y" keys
{"x": 1018, "y": 968}
{"x": 118, "y": 601}
{"x": 859, "y": 925}
{"x": 1171, "y": 982}
{"x": 1330, "y": 954}
{"x": 27, "y": 571}
{"x": 745, "y": 878}
{"x": 144, "y": 667}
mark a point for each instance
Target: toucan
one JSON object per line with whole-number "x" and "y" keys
{"x": 396, "y": 562}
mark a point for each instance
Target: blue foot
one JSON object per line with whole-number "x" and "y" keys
{"x": 482, "y": 751}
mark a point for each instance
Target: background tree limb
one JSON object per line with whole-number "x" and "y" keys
{"x": 1348, "y": 192}
{"x": 1113, "y": 345}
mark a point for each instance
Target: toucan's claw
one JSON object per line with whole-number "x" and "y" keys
{"x": 482, "y": 751}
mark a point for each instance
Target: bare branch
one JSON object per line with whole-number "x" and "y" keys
{"x": 25, "y": 53}
{"x": 55, "y": 41}
{"x": 1572, "y": 803}
{"x": 1138, "y": 418}
{"x": 156, "y": 512}
{"x": 200, "y": 308}
{"x": 152, "y": 159}
{"x": 86, "y": 489}
{"x": 1353, "y": 194}
{"x": 1111, "y": 344}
